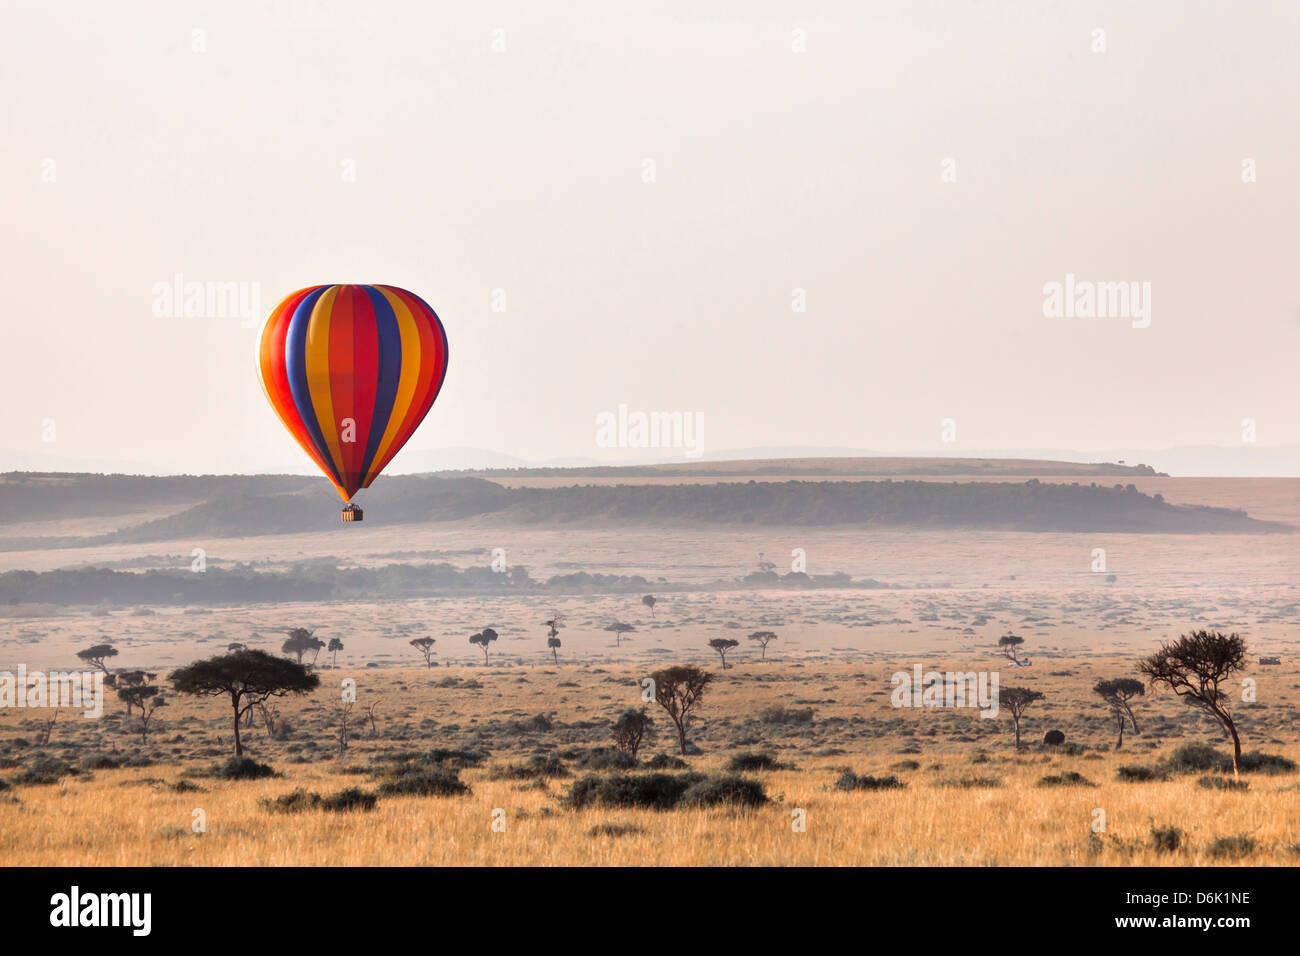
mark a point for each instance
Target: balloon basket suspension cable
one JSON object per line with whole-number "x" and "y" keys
{"x": 352, "y": 513}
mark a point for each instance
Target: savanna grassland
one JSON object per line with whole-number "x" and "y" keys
{"x": 799, "y": 759}
{"x": 520, "y": 736}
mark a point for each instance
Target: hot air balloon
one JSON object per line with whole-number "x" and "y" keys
{"x": 352, "y": 370}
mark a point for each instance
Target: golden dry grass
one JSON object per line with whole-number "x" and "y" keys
{"x": 131, "y": 816}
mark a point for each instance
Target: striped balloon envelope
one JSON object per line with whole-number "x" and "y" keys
{"x": 352, "y": 370}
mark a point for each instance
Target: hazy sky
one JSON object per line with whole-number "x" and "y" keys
{"x": 130, "y": 157}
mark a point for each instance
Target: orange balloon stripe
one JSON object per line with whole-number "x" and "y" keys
{"x": 275, "y": 380}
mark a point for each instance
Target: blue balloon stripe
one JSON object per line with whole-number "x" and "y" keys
{"x": 295, "y": 361}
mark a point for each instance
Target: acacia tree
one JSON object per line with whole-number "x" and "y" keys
{"x": 300, "y": 642}
{"x": 1017, "y": 700}
{"x": 148, "y": 697}
{"x": 620, "y": 628}
{"x": 650, "y": 601}
{"x": 1117, "y": 694}
{"x": 722, "y": 645}
{"x": 553, "y": 635}
{"x": 345, "y": 712}
{"x": 425, "y": 646}
{"x": 1010, "y": 643}
{"x": 248, "y": 678}
{"x": 679, "y": 691}
{"x": 335, "y": 646}
{"x": 1193, "y": 667}
{"x": 630, "y": 730}
{"x": 97, "y": 655}
{"x": 763, "y": 638}
{"x": 483, "y": 638}
{"x": 132, "y": 679}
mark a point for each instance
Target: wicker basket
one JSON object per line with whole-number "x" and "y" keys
{"x": 353, "y": 513}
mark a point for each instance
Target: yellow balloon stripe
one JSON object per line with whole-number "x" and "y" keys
{"x": 318, "y": 372}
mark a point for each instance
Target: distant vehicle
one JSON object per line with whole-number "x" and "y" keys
{"x": 1270, "y": 661}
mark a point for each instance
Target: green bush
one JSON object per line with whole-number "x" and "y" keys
{"x": 781, "y": 715}
{"x": 606, "y": 758}
{"x": 1232, "y": 846}
{"x": 439, "y": 757}
{"x": 44, "y": 770}
{"x": 1068, "y": 779}
{"x": 666, "y": 762}
{"x": 613, "y": 830}
{"x": 754, "y": 761}
{"x": 726, "y": 790}
{"x": 295, "y": 802}
{"x": 659, "y": 791}
{"x": 350, "y": 799}
{"x": 243, "y": 768}
{"x": 417, "y": 782}
{"x": 1198, "y": 758}
{"x": 1202, "y": 758}
{"x": 301, "y": 800}
{"x": 851, "y": 781}
{"x": 971, "y": 782}
{"x": 99, "y": 762}
{"x": 1254, "y": 761}
{"x": 1166, "y": 839}
{"x": 536, "y": 767}
{"x": 1134, "y": 773}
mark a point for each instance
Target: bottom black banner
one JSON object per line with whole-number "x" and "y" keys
{"x": 302, "y": 906}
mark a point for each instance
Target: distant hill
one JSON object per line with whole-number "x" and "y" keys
{"x": 230, "y": 506}
{"x": 834, "y": 467}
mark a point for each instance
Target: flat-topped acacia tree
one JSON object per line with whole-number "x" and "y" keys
{"x": 425, "y": 646}
{"x": 1118, "y": 694}
{"x": 763, "y": 638}
{"x": 1193, "y": 667}
{"x": 483, "y": 638}
{"x": 618, "y": 629}
{"x": 97, "y": 655}
{"x": 1010, "y": 644}
{"x": 248, "y": 678}
{"x": 722, "y": 645}
{"x": 302, "y": 641}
